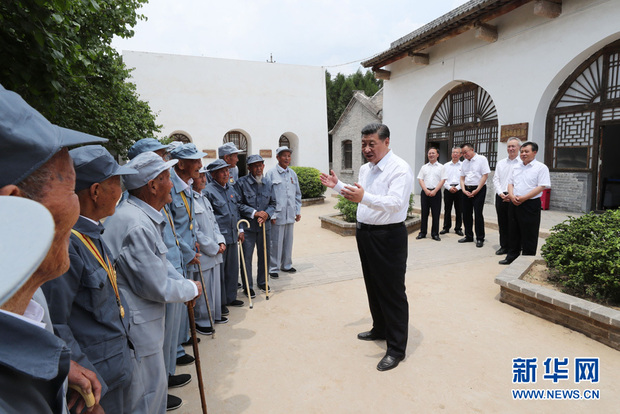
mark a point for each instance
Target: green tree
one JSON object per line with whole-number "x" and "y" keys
{"x": 57, "y": 55}
{"x": 340, "y": 90}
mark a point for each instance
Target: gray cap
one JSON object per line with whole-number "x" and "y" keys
{"x": 255, "y": 158}
{"x": 26, "y": 236}
{"x": 283, "y": 148}
{"x": 217, "y": 165}
{"x": 203, "y": 170}
{"x": 149, "y": 166}
{"x": 94, "y": 164}
{"x": 227, "y": 149}
{"x": 28, "y": 140}
{"x": 187, "y": 152}
{"x": 144, "y": 145}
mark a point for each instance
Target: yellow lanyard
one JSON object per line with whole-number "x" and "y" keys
{"x": 189, "y": 212}
{"x": 108, "y": 268}
{"x": 174, "y": 233}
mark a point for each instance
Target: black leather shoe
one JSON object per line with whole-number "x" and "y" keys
{"x": 420, "y": 236}
{"x": 465, "y": 240}
{"x": 479, "y": 243}
{"x": 173, "y": 403}
{"x": 436, "y": 238}
{"x": 501, "y": 251}
{"x": 291, "y": 270}
{"x": 388, "y": 362}
{"x": 505, "y": 262}
{"x": 185, "y": 359}
{"x": 444, "y": 231}
{"x": 236, "y": 303}
{"x": 204, "y": 330}
{"x": 369, "y": 336}
{"x": 459, "y": 232}
{"x": 274, "y": 275}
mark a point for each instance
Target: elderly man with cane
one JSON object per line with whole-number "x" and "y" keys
{"x": 146, "y": 278}
{"x": 35, "y": 164}
{"x": 382, "y": 193}
{"x": 86, "y": 307}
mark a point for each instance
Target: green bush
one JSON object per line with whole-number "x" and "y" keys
{"x": 584, "y": 255}
{"x": 349, "y": 209}
{"x": 309, "y": 182}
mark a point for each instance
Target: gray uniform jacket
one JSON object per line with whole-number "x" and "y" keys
{"x": 225, "y": 203}
{"x": 208, "y": 232}
{"x": 145, "y": 276}
{"x": 285, "y": 188}
{"x": 86, "y": 315}
{"x": 184, "y": 226}
{"x": 255, "y": 197}
{"x": 34, "y": 364}
{"x": 174, "y": 255}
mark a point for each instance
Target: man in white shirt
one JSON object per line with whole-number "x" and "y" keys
{"x": 525, "y": 186}
{"x": 474, "y": 173}
{"x": 452, "y": 193}
{"x": 431, "y": 178}
{"x": 382, "y": 193}
{"x": 500, "y": 183}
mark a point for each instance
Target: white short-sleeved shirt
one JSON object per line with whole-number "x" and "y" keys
{"x": 502, "y": 173}
{"x": 432, "y": 174}
{"x": 525, "y": 178}
{"x": 452, "y": 172}
{"x": 474, "y": 169}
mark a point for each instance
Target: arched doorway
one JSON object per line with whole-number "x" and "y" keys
{"x": 583, "y": 126}
{"x": 466, "y": 113}
{"x": 241, "y": 142}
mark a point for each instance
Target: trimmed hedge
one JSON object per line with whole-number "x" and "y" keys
{"x": 584, "y": 255}
{"x": 309, "y": 182}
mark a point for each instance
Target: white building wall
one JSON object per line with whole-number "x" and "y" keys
{"x": 207, "y": 97}
{"x": 521, "y": 71}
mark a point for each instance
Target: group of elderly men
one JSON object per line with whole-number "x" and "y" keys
{"x": 119, "y": 275}
{"x": 518, "y": 182}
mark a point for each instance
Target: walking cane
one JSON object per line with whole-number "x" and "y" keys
{"x": 192, "y": 325}
{"x": 245, "y": 271}
{"x": 264, "y": 225}
{"x": 204, "y": 292}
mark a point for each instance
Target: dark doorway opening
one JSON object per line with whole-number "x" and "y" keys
{"x": 609, "y": 176}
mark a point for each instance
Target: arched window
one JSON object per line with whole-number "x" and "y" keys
{"x": 347, "y": 155}
{"x": 181, "y": 137}
{"x": 237, "y": 138}
{"x": 284, "y": 142}
{"x": 465, "y": 114}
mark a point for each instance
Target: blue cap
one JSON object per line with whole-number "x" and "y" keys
{"x": 227, "y": 149}
{"x": 28, "y": 140}
{"x": 149, "y": 166}
{"x": 144, "y": 145}
{"x": 255, "y": 158}
{"x": 283, "y": 148}
{"x": 187, "y": 152}
{"x": 217, "y": 165}
{"x": 26, "y": 236}
{"x": 94, "y": 164}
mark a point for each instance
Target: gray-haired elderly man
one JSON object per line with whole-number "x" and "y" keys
{"x": 145, "y": 277}
{"x": 230, "y": 153}
{"x": 35, "y": 164}
{"x": 86, "y": 307}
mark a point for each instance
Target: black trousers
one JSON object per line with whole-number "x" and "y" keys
{"x": 450, "y": 199}
{"x": 434, "y": 205}
{"x": 383, "y": 253}
{"x": 473, "y": 207}
{"x": 501, "y": 208}
{"x": 524, "y": 222}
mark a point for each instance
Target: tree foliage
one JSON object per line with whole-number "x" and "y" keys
{"x": 57, "y": 55}
{"x": 340, "y": 91}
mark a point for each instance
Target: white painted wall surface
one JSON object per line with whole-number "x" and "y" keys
{"x": 522, "y": 71}
{"x": 206, "y": 97}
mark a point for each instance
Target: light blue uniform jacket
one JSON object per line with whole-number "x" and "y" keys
{"x": 285, "y": 188}
{"x": 184, "y": 226}
{"x": 208, "y": 232}
{"x": 255, "y": 197}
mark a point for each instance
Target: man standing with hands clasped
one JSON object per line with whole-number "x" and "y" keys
{"x": 431, "y": 178}
{"x": 474, "y": 173}
{"x": 382, "y": 193}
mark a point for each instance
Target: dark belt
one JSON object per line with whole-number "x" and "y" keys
{"x": 430, "y": 189}
{"x": 471, "y": 187}
{"x": 372, "y": 227}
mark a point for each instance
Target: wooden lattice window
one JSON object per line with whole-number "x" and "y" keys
{"x": 466, "y": 114}
{"x": 180, "y": 137}
{"x": 284, "y": 141}
{"x": 237, "y": 138}
{"x": 347, "y": 155}
{"x": 588, "y": 99}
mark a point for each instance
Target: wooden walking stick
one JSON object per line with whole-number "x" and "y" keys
{"x": 264, "y": 225}
{"x": 192, "y": 325}
{"x": 204, "y": 291}
{"x": 245, "y": 271}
